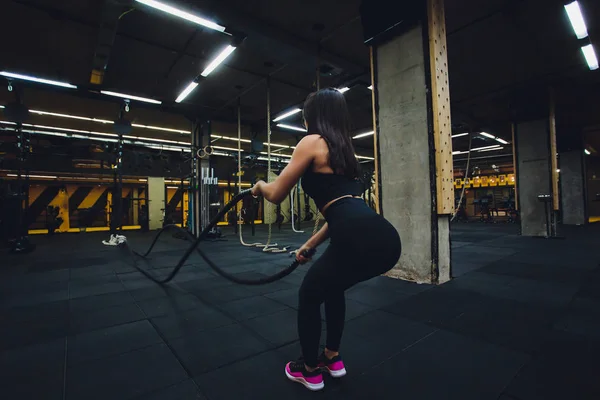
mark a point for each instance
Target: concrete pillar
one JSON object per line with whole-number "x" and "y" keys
{"x": 414, "y": 143}
{"x": 532, "y": 143}
{"x": 572, "y": 187}
{"x": 156, "y": 202}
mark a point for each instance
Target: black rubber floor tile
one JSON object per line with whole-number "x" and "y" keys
{"x": 200, "y": 286}
{"x": 266, "y": 381}
{"x": 23, "y": 326}
{"x": 93, "y": 271}
{"x": 207, "y": 350}
{"x": 289, "y": 297}
{"x": 463, "y": 368}
{"x": 76, "y": 290}
{"x": 84, "y": 321}
{"x": 377, "y": 297}
{"x": 279, "y": 328}
{"x": 438, "y": 305}
{"x": 153, "y": 292}
{"x": 224, "y": 294}
{"x": 33, "y": 299}
{"x": 186, "y": 323}
{"x": 100, "y": 301}
{"x": 111, "y": 341}
{"x": 270, "y": 288}
{"x": 25, "y": 363}
{"x": 186, "y": 390}
{"x": 516, "y": 325}
{"x": 386, "y": 327}
{"x": 170, "y": 304}
{"x": 547, "y": 272}
{"x": 549, "y": 294}
{"x": 126, "y": 375}
{"x": 46, "y": 387}
{"x": 252, "y": 307}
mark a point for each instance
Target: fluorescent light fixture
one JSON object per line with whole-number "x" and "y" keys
{"x": 225, "y": 148}
{"x": 590, "y": 56}
{"x": 459, "y": 135}
{"x": 364, "y": 158}
{"x": 278, "y": 154}
{"x": 486, "y": 147}
{"x": 501, "y": 141}
{"x": 35, "y": 176}
{"x": 293, "y": 128}
{"x": 487, "y": 135}
{"x": 456, "y": 153}
{"x": 576, "y": 17}
{"x": 1, "y": 106}
{"x": 189, "y": 89}
{"x": 370, "y": 87}
{"x": 159, "y": 128}
{"x": 558, "y": 170}
{"x": 38, "y": 80}
{"x": 491, "y": 149}
{"x": 217, "y": 61}
{"x": 143, "y": 180}
{"x": 343, "y": 90}
{"x": 182, "y": 14}
{"x": 586, "y": 151}
{"x": 52, "y": 114}
{"x": 130, "y": 97}
{"x": 361, "y": 135}
{"x": 266, "y": 159}
{"x": 172, "y": 187}
{"x": 287, "y": 114}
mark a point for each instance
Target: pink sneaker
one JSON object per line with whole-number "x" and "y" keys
{"x": 335, "y": 366}
{"x": 296, "y": 372}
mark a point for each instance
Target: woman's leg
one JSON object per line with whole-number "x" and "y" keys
{"x": 313, "y": 292}
{"x": 335, "y": 315}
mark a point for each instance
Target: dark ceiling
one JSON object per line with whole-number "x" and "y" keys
{"x": 504, "y": 55}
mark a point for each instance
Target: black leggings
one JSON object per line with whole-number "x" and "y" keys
{"x": 362, "y": 245}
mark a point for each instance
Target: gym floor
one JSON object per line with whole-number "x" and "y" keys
{"x": 521, "y": 321}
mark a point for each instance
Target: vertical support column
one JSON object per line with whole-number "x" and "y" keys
{"x": 534, "y": 177}
{"x": 572, "y": 187}
{"x": 515, "y": 166}
{"x": 412, "y": 105}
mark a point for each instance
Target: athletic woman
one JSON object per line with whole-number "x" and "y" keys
{"x": 362, "y": 244}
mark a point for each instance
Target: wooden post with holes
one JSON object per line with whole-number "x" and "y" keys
{"x": 553, "y": 151}
{"x": 440, "y": 99}
{"x": 375, "y": 134}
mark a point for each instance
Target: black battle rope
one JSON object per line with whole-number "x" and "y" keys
{"x": 194, "y": 247}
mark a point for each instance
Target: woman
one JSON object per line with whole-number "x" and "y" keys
{"x": 362, "y": 244}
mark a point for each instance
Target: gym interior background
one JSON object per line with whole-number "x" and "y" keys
{"x": 472, "y": 120}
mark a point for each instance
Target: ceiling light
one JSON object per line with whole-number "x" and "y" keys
{"x": 129, "y": 97}
{"x": 363, "y": 135}
{"x": 266, "y": 159}
{"x": 35, "y": 176}
{"x": 278, "y": 154}
{"x": 287, "y": 114}
{"x": 501, "y": 141}
{"x": 225, "y": 148}
{"x": 576, "y": 18}
{"x": 586, "y": 151}
{"x": 486, "y": 147}
{"x": 459, "y": 135}
{"x": 487, "y": 135}
{"x": 294, "y": 128}
{"x": 491, "y": 149}
{"x": 103, "y": 121}
{"x": 370, "y": 87}
{"x": 590, "y": 56}
{"x": 456, "y": 153}
{"x": 38, "y": 80}
{"x": 364, "y": 158}
{"x": 182, "y": 14}
{"x": 343, "y": 90}
{"x": 189, "y": 89}
{"x": 217, "y": 61}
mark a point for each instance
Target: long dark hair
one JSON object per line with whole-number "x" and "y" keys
{"x": 326, "y": 113}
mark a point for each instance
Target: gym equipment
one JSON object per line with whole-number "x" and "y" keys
{"x": 295, "y": 217}
{"x": 194, "y": 247}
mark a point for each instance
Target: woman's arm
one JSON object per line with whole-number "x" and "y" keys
{"x": 277, "y": 191}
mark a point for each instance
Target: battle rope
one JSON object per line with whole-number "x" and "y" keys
{"x": 194, "y": 247}
{"x": 462, "y": 194}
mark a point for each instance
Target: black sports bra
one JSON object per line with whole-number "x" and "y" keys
{"x": 323, "y": 187}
